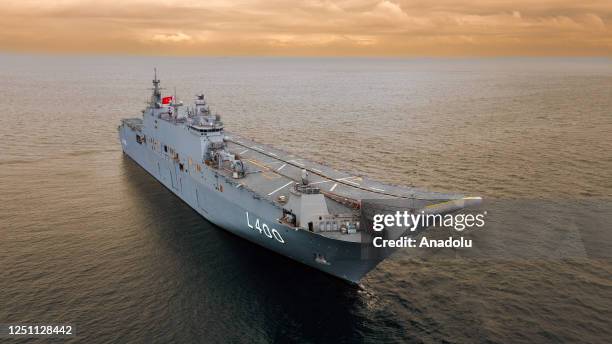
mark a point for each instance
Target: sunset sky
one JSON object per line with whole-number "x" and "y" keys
{"x": 307, "y": 28}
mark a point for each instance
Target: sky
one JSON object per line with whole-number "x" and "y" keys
{"x": 309, "y": 28}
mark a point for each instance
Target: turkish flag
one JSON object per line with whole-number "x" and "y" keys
{"x": 167, "y": 100}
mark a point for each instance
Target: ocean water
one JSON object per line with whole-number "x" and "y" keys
{"x": 88, "y": 238}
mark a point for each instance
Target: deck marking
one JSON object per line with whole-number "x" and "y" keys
{"x": 314, "y": 169}
{"x": 272, "y": 154}
{"x": 346, "y": 180}
{"x": 269, "y": 162}
{"x": 321, "y": 182}
{"x": 258, "y": 148}
{"x": 295, "y": 161}
{"x": 333, "y": 187}
{"x": 255, "y": 162}
{"x": 270, "y": 175}
{"x": 280, "y": 168}
{"x": 376, "y": 189}
{"x": 279, "y": 189}
{"x": 244, "y": 151}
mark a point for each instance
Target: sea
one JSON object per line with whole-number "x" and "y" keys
{"x": 88, "y": 238}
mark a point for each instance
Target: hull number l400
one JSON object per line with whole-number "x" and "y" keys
{"x": 264, "y": 229}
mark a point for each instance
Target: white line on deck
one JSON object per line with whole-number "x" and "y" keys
{"x": 296, "y": 162}
{"x": 333, "y": 187}
{"x": 345, "y": 178}
{"x": 270, "y": 162}
{"x": 314, "y": 169}
{"x": 244, "y": 151}
{"x": 279, "y": 189}
{"x": 280, "y": 168}
{"x": 321, "y": 182}
{"x": 376, "y": 189}
{"x": 258, "y": 148}
{"x": 272, "y": 154}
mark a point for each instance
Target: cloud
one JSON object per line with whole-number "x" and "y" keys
{"x": 309, "y": 27}
{"x": 172, "y": 37}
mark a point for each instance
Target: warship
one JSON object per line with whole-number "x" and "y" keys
{"x": 300, "y": 209}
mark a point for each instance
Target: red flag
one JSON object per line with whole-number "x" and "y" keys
{"x": 167, "y": 100}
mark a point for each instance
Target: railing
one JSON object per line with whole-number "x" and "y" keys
{"x": 307, "y": 189}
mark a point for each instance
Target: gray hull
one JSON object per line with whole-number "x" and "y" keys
{"x": 247, "y": 215}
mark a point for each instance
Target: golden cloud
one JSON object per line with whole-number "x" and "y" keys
{"x": 312, "y": 27}
{"x": 171, "y": 37}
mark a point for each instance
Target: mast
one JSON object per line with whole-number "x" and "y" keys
{"x": 156, "y": 97}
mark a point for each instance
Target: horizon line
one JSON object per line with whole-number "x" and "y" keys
{"x": 327, "y": 56}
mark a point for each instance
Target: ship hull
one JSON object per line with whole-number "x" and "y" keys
{"x": 241, "y": 212}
